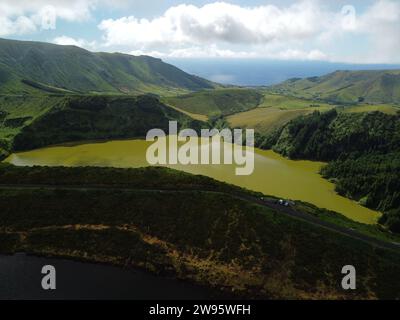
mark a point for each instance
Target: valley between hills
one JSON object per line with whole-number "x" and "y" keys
{"x": 192, "y": 227}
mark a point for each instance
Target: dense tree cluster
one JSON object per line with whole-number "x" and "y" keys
{"x": 363, "y": 151}
{"x": 374, "y": 180}
{"x": 202, "y": 233}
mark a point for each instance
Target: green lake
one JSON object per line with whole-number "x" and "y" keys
{"x": 273, "y": 174}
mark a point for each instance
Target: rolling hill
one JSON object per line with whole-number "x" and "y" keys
{"x": 30, "y": 67}
{"x": 28, "y": 122}
{"x": 265, "y": 120}
{"x": 218, "y": 102}
{"x": 274, "y": 111}
{"x": 347, "y": 87}
{"x": 52, "y": 94}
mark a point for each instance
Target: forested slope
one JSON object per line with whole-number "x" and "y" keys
{"x": 363, "y": 150}
{"x": 211, "y": 238}
{"x": 33, "y": 122}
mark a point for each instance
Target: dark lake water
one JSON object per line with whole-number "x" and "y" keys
{"x": 20, "y": 278}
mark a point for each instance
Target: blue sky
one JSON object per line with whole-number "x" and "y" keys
{"x": 355, "y": 31}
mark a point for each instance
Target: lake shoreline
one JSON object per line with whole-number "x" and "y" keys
{"x": 216, "y": 293}
{"x": 212, "y": 293}
{"x": 298, "y": 180}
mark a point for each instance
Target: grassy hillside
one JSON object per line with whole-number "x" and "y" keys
{"x": 29, "y": 122}
{"x": 289, "y": 103}
{"x": 360, "y": 108}
{"x": 208, "y": 237}
{"x": 217, "y": 102}
{"x": 17, "y": 112}
{"x": 265, "y": 120}
{"x": 31, "y": 67}
{"x": 274, "y": 111}
{"x": 277, "y": 110}
{"x": 364, "y": 150}
{"x": 347, "y": 87}
{"x": 196, "y": 116}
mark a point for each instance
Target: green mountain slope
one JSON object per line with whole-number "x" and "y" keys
{"x": 347, "y": 87}
{"x": 26, "y": 65}
{"x": 217, "y": 102}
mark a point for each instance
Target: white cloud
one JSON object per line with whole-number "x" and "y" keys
{"x": 215, "y": 52}
{"x": 220, "y": 30}
{"x": 26, "y": 16}
{"x": 204, "y": 52}
{"x": 216, "y": 22}
{"x": 381, "y": 22}
{"x": 292, "y": 54}
{"x": 68, "y": 41}
{"x": 306, "y": 30}
{"x": 20, "y": 25}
